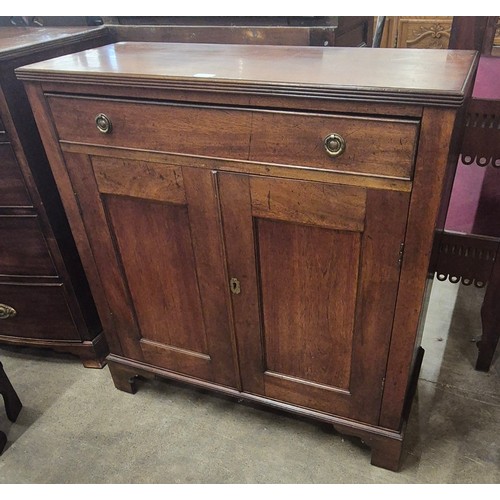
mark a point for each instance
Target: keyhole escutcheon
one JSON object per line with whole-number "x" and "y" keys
{"x": 234, "y": 285}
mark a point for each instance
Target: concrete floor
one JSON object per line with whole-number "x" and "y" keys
{"x": 75, "y": 427}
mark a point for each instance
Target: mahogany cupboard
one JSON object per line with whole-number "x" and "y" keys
{"x": 259, "y": 220}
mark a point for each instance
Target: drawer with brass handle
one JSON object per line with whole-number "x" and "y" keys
{"x": 29, "y": 310}
{"x": 373, "y": 146}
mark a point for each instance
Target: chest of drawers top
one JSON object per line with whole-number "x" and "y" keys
{"x": 403, "y": 76}
{"x": 18, "y": 41}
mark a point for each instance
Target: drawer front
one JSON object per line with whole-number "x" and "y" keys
{"x": 23, "y": 250}
{"x": 382, "y": 147}
{"x": 13, "y": 192}
{"x": 35, "y": 311}
{"x": 3, "y": 132}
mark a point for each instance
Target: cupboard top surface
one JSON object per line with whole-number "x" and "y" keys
{"x": 19, "y": 40}
{"x": 398, "y": 75}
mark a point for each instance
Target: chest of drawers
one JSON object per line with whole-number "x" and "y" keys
{"x": 259, "y": 220}
{"x": 45, "y": 300}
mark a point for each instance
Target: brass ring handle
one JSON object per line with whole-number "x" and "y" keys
{"x": 103, "y": 123}
{"x": 334, "y": 144}
{"x": 6, "y": 311}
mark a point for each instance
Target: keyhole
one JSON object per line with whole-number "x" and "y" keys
{"x": 234, "y": 285}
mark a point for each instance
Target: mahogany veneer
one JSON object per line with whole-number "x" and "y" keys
{"x": 229, "y": 246}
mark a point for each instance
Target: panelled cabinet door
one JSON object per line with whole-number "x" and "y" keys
{"x": 314, "y": 272}
{"x": 154, "y": 233}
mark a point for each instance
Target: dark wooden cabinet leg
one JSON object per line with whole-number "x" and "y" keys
{"x": 386, "y": 449}
{"x": 93, "y": 362}
{"x": 124, "y": 377}
{"x": 12, "y": 402}
{"x": 94, "y": 355}
{"x": 3, "y": 441}
{"x": 387, "y": 454}
{"x": 91, "y": 353}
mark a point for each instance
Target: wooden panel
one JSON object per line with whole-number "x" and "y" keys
{"x": 222, "y": 165}
{"x": 13, "y": 190}
{"x": 383, "y": 147}
{"x": 132, "y": 178}
{"x": 424, "y": 32}
{"x": 373, "y": 146}
{"x": 204, "y": 218}
{"x": 336, "y": 207}
{"x": 155, "y": 248}
{"x": 276, "y": 102}
{"x": 160, "y": 264}
{"x": 385, "y": 231}
{"x": 430, "y": 169}
{"x": 308, "y": 284}
{"x": 285, "y": 320}
{"x": 375, "y": 301}
{"x": 42, "y": 312}
{"x": 23, "y": 250}
{"x": 261, "y": 35}
{"x": 236, "y": 208}
{"x": 115, "y": 304}
{"x": 178, "y": 360}
{"x": 203, "y": 131}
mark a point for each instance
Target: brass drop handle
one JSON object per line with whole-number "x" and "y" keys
{"x": 334, "y": 144}
{"x": 6, "y": 311}
{"x": 103, "y": 123}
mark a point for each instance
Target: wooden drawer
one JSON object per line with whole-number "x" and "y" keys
{"x": 374, "y": 146}
{"x": 23, "y": 250}
{"x": 13, "y": 192}
{"x": 41, "y": 312}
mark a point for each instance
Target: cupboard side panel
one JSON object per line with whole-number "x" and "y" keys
{"x": 102, "y": 246}
{"x": 430, "y": 173}
{"x": 58, "y": 161}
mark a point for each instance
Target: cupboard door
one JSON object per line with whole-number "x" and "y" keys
{"x": 155, "y": 237}
{"x": 314, "y": 272}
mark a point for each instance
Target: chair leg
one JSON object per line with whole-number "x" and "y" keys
{"x": 3, "y": 441}
{"x": 490, "y": 316}
{"x": 13, "y": 404}
{"x": 487, "y": 347}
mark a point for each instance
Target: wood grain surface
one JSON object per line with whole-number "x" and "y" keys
{"x": 378, "y": 146}
{"x": 410, "y": 75}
